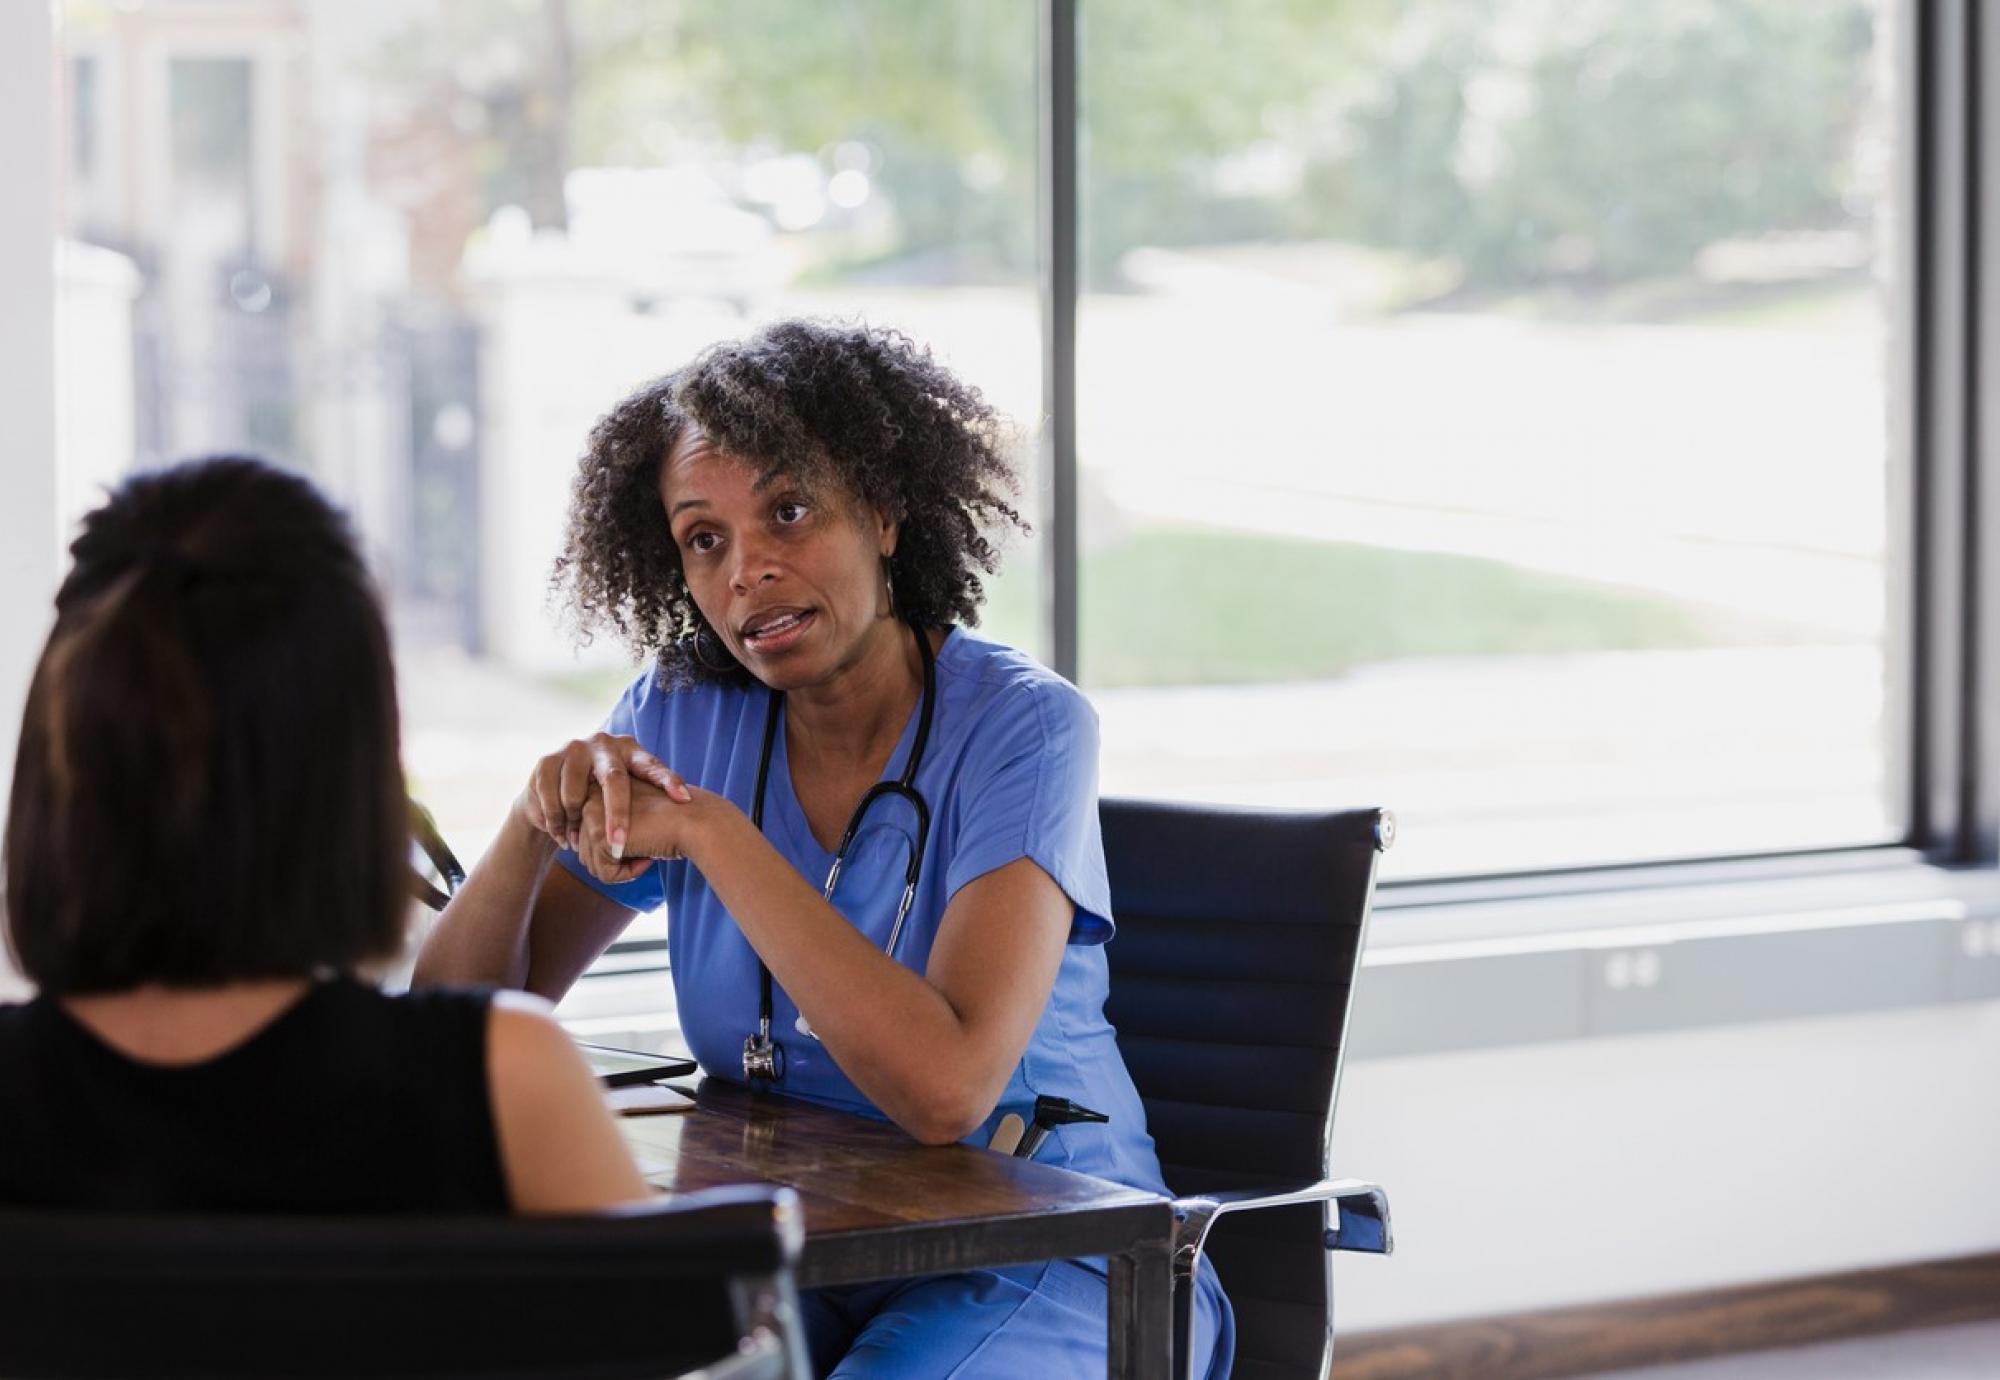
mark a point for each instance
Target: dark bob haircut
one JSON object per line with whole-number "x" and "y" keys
{"x": 208, "y": 787}
{"x": 862, "y": 410}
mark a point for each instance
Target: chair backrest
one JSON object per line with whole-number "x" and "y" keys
{"x": 657, "y": 1289}
{"x": 1239, "y": 934}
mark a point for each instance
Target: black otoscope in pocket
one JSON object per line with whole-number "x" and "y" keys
{"x": 1050, "y": 1112}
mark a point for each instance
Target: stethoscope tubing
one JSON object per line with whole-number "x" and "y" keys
{"x": 763, "y": 1057}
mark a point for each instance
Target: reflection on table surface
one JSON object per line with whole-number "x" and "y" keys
{"x": 851, "y": 1173}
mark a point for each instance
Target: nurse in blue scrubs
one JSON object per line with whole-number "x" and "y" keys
{"x": 875, "y": 832}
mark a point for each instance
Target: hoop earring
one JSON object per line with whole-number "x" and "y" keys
{"x": 889, "y": 581}
{"x": 704, "y": 636}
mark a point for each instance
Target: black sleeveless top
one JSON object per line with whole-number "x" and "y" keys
{"x": 349, "y": 1101}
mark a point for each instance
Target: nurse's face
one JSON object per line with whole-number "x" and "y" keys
{"x": 791, "y": 581}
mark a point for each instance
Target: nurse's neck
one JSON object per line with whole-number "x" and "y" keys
{"x": 852, "y": 721}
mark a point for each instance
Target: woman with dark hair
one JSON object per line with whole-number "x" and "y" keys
{"x": 875, "y": 833}
{"x": 207, "y": 841}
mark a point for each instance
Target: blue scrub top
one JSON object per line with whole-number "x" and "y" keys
{"x": 1010, "y": 772}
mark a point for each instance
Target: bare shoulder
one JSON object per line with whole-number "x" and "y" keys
{"x": 561, "y": 1149}
{"x": 523, "y": 1040}
{"x": 522, "y": 1008}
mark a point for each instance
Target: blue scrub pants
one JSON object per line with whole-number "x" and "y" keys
{"x": 1026, "y": 1322}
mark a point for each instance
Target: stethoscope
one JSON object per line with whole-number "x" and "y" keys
{"x": 764, "y": 1057}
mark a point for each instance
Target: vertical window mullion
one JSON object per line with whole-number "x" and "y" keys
{"x": 1945, "y": 610}
{"x": 1936, "y": 397}
{"x": 1980, "y": 827}
{"x": 1057, "y": 176}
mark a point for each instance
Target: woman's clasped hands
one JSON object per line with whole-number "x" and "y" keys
{"x": 614, "y": 804}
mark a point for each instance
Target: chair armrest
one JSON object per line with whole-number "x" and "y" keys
{"x": 1362, "y": 1223}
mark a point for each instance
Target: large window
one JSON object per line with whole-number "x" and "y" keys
{"x": 416, "y": 249}
{"x": 1481, "y": 406}
{"x": 1483, "y": 410}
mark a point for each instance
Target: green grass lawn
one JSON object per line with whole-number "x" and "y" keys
{"x": 1173, "y": 606}
{"x": 1180, "y": 607}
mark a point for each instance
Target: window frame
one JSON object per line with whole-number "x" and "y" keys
{"x": 1944, "y": 648}
{"x": 1953, "y": 646}
{"x": 1943, "y": 642}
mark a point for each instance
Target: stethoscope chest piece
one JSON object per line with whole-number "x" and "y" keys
{"x": 763, "y": 1058}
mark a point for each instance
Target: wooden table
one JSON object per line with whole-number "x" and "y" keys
{"x": 878, "y": 1205}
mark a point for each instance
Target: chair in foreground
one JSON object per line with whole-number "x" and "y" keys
{"x": 1239, "y": 937}
{"x": 701, "y": 1283}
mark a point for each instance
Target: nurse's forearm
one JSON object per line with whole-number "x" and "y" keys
{"x": 888, "y": 1028}
{"x": 482, "y": 935}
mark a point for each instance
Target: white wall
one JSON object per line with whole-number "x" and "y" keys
{"x": 1546, "y": 1175}
{"x": 95, "y": 421}
{"x": 27, "y": 419}
{"x": 540, "y": 391}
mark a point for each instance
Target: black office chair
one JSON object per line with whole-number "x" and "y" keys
{"x": 698, "y": 1282}
{"x": 1239, "y": 936}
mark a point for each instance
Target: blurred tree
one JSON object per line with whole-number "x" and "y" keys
{"x": 1525, "y": 140}
{"x": 947, "y": 92}
{"x": 1601, "y": 140}
{"x": 1168, "y": 100}
{"x": 943, "y": 95}
{"x": 501, "y": 76}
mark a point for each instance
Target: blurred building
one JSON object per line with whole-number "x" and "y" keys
{"x": 290, "y": 276}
